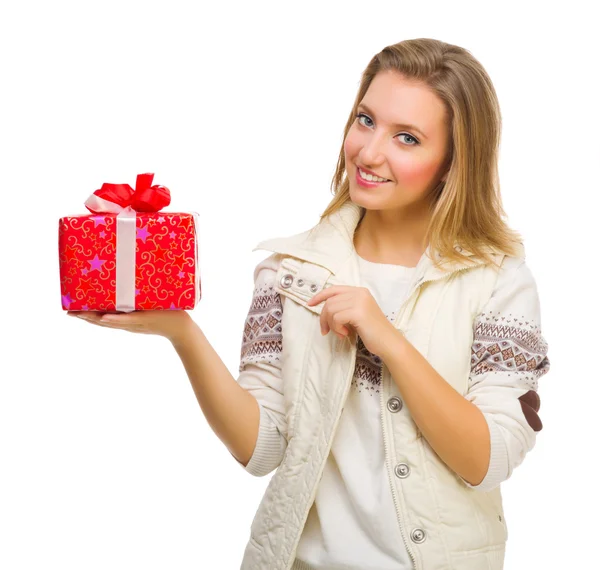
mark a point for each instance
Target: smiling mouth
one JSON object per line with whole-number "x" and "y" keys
{"x": 359, "y": 170}
{"x": 359, "y": 176}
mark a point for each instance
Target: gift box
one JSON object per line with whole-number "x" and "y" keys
{"x": 128, "y": 255}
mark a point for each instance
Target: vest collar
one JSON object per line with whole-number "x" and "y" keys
{"x": 330, "y": 244}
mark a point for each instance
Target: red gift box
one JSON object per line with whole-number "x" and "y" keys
{"x": 127, "y": 255}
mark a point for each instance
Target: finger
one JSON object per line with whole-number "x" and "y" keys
{"x": 326, "y": 293}
{"x": 326, "y": 316}
{"x": 343, "y": 303}
{"x": 98, "y": 315}
{"x": 333, "y": 324}
{"x": 118, "y": 320}
{"x": 339, "y": 324}
{"x": 90, "y": 316}
{"x": 81, "y": 315}
{"x": 100, "y": 319}
{"x": 87, "y": 314}
{"x": 96, "y": 321}
{"x": 344, "y": 319}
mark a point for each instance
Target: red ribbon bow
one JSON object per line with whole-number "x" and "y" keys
{"x": 145, "y": 197}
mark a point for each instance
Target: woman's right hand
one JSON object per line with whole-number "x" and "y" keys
{"x": 172, "y": 324}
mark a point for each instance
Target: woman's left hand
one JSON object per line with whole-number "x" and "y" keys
{"x": 355, "y": 306}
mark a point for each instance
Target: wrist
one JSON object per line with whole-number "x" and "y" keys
{"x": 393, "y": 343}
{"x": 183, "y": 329}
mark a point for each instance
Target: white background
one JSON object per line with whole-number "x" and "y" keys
{"x": 106, "y": 460}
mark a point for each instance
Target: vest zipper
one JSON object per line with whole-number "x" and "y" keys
{"x": 389, "y": 470}
{"x": 385, "y": 440}
{"x": 314, "y": 491}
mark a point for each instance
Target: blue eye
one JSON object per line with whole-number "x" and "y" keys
{"x": 360, "y": 115}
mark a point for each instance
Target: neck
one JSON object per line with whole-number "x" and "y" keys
{"x": 390, "y": 236}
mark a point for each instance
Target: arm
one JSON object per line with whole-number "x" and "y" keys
{"x": 453, "y": 426}
{"x": 247, "y": 414}
{"x": 484, "y": 435}
{"x": 231, "y": 412}
{"x": 260, "y": 371}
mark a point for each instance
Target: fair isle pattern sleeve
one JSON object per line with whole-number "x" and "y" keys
{"x": 508, "y": 357}
{"x": 261, "y": 340}
{"x": 260, "y": 367}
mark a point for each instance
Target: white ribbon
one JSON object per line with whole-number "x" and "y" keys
{"x": 125, "y": 256}
{"x": 126, "y": 235}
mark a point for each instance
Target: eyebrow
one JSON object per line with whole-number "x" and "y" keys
{"x": 397, "y": 125}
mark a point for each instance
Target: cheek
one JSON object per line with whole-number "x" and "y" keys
{"x": 351, "y": 146}
{"x": 411, "y": 172}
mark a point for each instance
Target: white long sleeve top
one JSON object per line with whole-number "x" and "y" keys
{"x": 352, "y": 523}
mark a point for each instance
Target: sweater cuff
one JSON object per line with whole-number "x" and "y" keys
{"x": 269, "y": 448}
{"x": 498, "y": 467}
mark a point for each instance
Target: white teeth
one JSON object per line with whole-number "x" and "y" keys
{"x": 370, "y": 177}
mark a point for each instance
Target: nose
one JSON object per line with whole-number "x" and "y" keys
{"x": 372, "y": 151}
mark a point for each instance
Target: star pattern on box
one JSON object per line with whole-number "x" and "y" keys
{"x": 165, "y": 272}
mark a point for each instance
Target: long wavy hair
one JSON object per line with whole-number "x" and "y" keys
{"x": 466, "y": 209}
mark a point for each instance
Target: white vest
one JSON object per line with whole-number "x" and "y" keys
{"x": 444, "y": 523}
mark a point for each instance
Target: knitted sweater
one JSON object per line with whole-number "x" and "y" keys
{"x": 352, "y": 523}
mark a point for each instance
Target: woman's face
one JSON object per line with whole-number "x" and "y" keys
{"x": 410, "y": 157}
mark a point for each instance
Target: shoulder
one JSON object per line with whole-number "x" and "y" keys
{"x": 515, "y": 294}
{"x": 265, "y": 296}
{"x": 514, "y": 274}
{"x": 510, "y": 270}
{"x": 266, "y": 269}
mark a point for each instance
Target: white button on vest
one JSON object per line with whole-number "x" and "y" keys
{"x": 287, "y": 280}
{"x": 418, "y": 535}
{"x": 402, "y": 470}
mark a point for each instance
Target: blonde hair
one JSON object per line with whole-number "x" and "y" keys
{"x": 466, "y": 209}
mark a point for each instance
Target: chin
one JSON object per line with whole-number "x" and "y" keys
{"x": 362, "y": 198}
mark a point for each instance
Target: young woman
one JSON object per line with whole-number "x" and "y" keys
{"x": 391, "y": 354}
